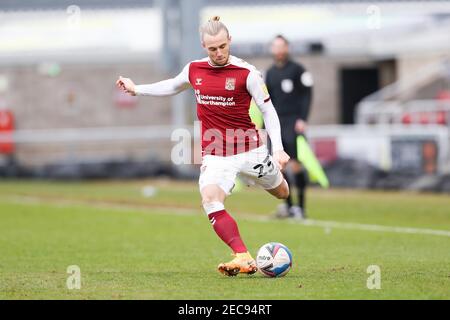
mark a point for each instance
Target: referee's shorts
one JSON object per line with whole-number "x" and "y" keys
{"x": 289, "y": 136}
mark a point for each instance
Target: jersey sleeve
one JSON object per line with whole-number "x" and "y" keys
{"x": 257, "y": 88}
{"x": 268, "y": 81}
{"x": 166, "y": 87}
{"x": 260, "y": 94}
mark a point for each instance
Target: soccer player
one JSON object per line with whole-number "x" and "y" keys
{"x": 224, "y": 86}
{"x": 290, "y": 87}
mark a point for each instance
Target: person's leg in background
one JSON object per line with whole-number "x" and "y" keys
{"x": 301, "y": 182}
{"x": 283, "y": 209}
{"x": 300, "y": 176}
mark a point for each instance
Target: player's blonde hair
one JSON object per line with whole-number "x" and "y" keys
{"x": 213, "y": 27}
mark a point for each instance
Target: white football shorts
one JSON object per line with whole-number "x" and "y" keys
{"x": 253, "y": 167}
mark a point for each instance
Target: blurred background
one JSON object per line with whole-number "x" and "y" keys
{"x": 380, "y": 116}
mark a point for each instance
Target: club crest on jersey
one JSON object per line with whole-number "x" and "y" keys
{"x": 230, "y": 83}
{"x": 198, "y": 81}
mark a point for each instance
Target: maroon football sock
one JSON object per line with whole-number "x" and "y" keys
{"x": 227, "y": 229}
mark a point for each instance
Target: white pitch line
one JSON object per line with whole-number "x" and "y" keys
{"x": 375, "y": 227}
{"x": 358, "y": 226}
{"x": 192, "y": 212}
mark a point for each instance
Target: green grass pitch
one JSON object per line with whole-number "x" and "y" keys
{"x": 128, "y": 246}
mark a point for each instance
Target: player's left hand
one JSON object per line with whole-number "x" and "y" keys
{"x": 281, "y": 158}
{"x": 300, "y": 126}
{"x": 126, "y": 85}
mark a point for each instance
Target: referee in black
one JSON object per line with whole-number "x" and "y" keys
{"x": 290, "y": 88}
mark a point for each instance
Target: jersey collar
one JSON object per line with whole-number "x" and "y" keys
{"x": 215, "y": 66}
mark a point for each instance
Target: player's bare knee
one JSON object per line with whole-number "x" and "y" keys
{"x": 206, "y": 200}
{"x": 283, "y": 192}
{"x": 212, "y": 193}
{"x": 212, "y": 199}
{"x": 209, "y": 197}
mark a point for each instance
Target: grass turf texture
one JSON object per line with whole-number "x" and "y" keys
{"x": 131, "y": 247}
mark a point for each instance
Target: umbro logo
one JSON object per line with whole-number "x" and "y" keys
{"x": 198, "y": 81}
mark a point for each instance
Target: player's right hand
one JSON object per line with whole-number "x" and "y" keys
{"x": 127, "y": 85}
{"x": 281, "y": 158}
{"x": 300, "y": 126}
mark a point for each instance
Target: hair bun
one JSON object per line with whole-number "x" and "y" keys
{"x": 215, "y": 18}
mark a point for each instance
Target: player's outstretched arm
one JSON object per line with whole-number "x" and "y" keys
{"x": 256, "y": 87}
{"x": 272, "y": 124}
{"x": 159, "y": 89}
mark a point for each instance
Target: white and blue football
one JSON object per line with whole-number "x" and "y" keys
{"x": 274, "y": 260}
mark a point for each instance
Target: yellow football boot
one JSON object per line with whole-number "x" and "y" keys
{"x": 242, "y": 263}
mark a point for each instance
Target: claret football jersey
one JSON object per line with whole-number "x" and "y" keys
{"x": 223, "y": 95}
